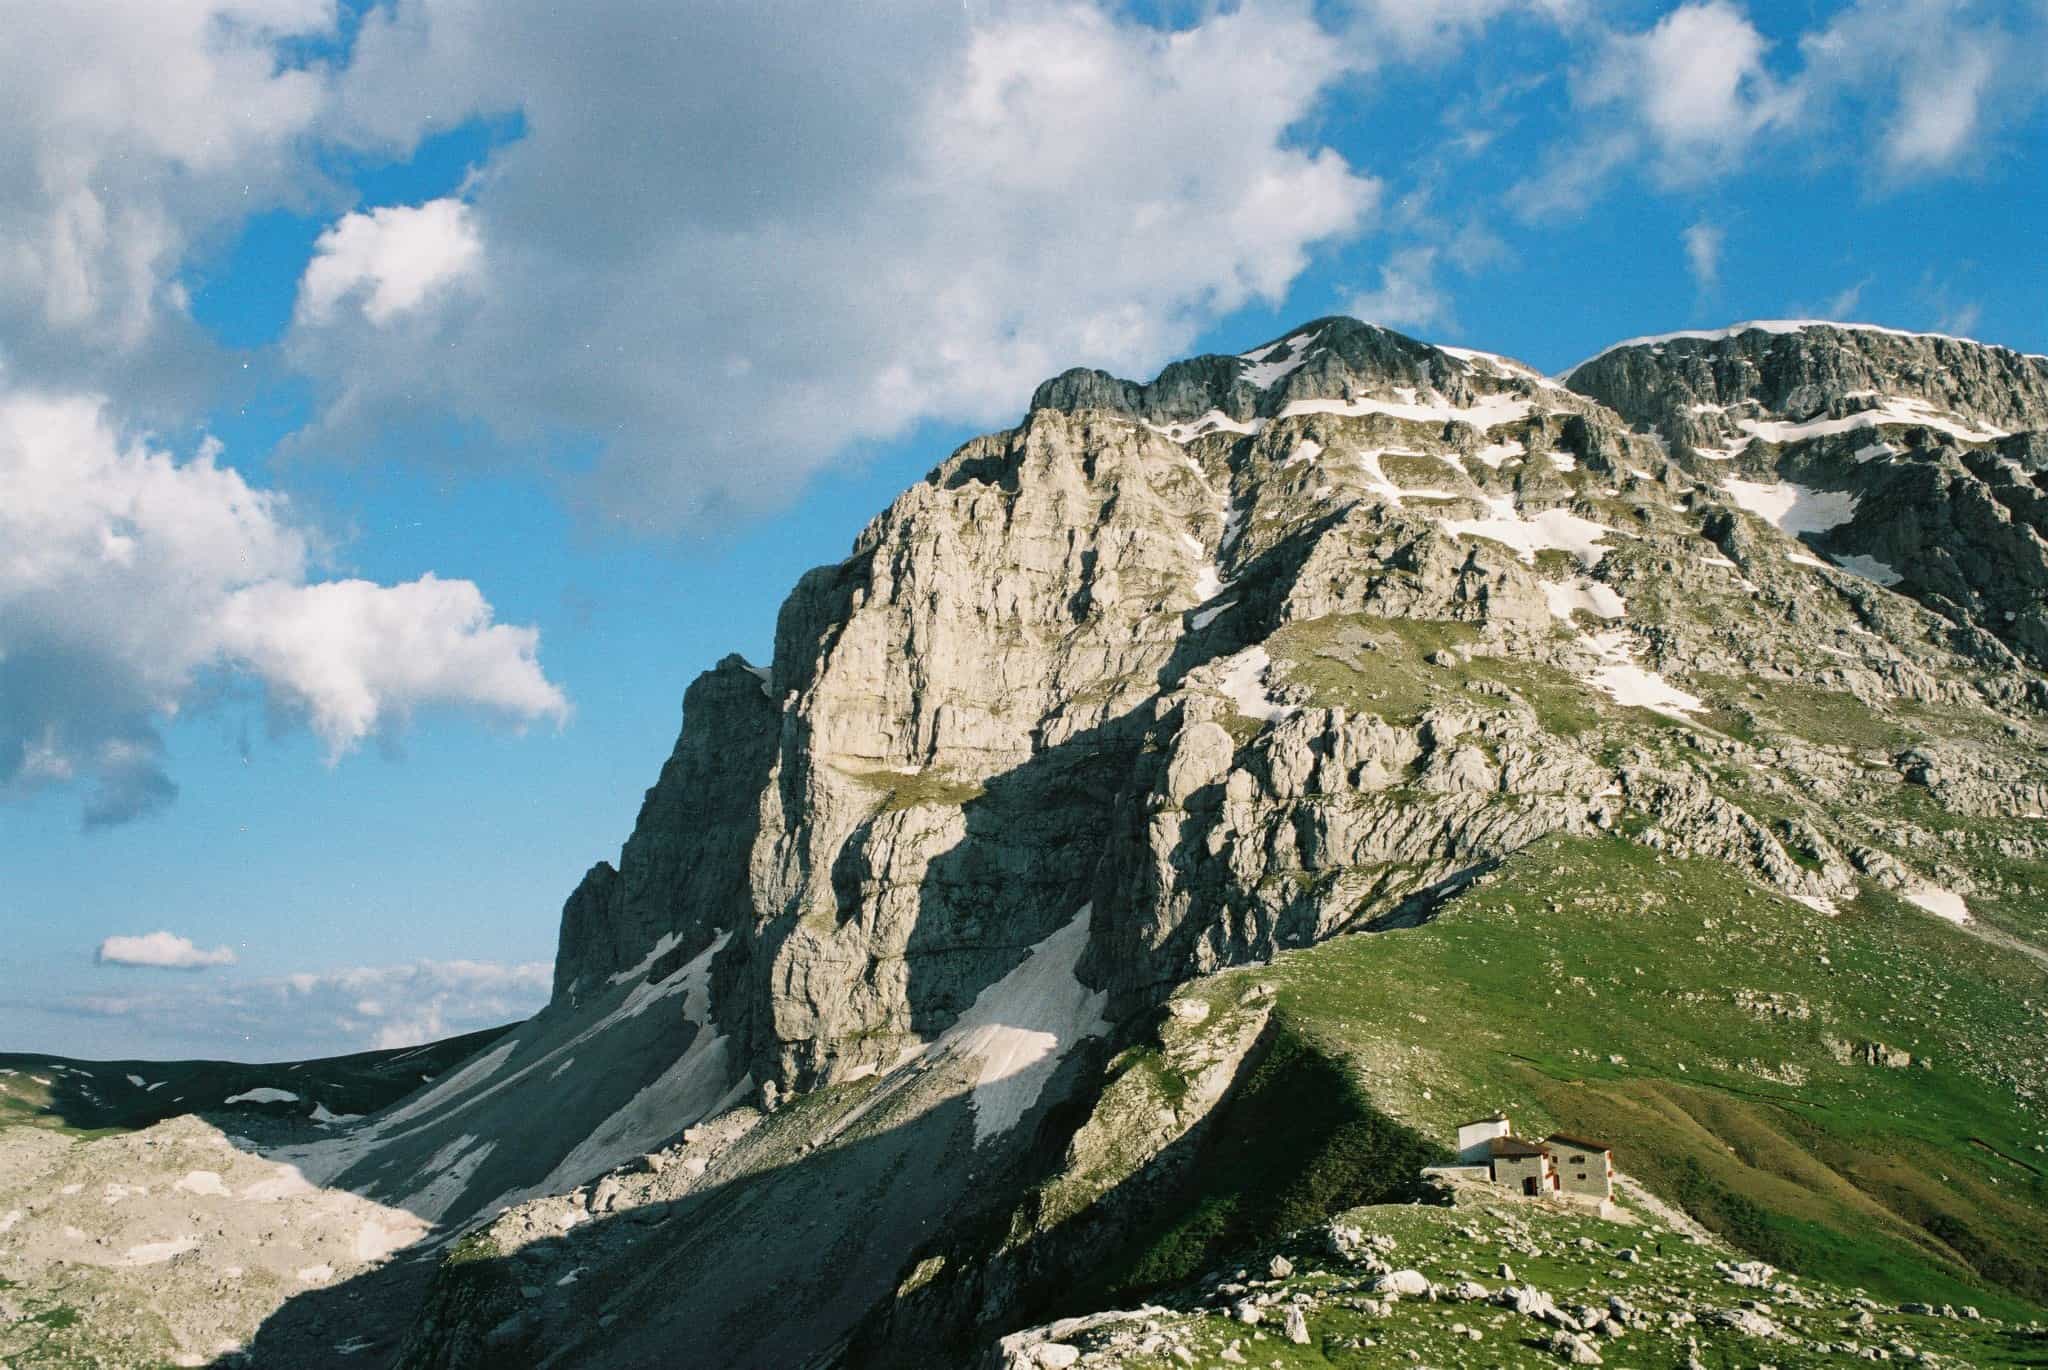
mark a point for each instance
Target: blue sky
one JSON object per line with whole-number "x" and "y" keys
{"x": 395, "y": 413}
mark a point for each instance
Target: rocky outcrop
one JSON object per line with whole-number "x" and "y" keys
{"x": 1937, "y": 446}
{"x": 1693, "y": 388}
{"x": 1331, "y": 358}
{"x": 1186, "y": 675}
{"x": 683, "y": 872}
{"x": 1089, "y": 662}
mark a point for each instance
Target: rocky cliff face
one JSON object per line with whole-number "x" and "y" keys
{"x": 1291, "y": 643}
{"x": 683, "y": 872}
{"x": 978, "y": 716}
{"x": 1932, "y": 448}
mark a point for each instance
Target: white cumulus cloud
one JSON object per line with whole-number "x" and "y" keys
{"x": 132, "y": 583}
{"x": 786, "y": 236}
{"x": 161, "y": 950}
{"x": 131, "y": 135}
{"x": 1695, "y": 82}
{"x": 393, "y": 260}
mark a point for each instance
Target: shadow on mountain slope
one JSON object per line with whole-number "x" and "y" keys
{"x": 1293, "y": 1139}
{"x": 796, "y": 1264}
{"x": 94, "y": 1096}
{"x": 770, "y": 1268}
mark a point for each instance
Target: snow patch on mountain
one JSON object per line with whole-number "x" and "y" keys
{"x": 1263, "y": 373}
{"x": 1892, "y": 409}
{"x": 1214, "y": 421}
{"x": 1566, "y": 598}
{"x": 1627, "y": 683}
{"x": 1940, "y": 902}
{"x": 1499, "y": 364}
{"x": 1552, "y": 530}
{"x": 1497, "y": 454}
{"x": 1022, "y": 1025}
{"x": 263, "y": 1094}
{"x": 1490, "y": 412}
{"x": 447, "y": 1175}
{"x": 1870, "y": 568}
{"x": 1378, "y": 482}
{"x": 1791, "y": 508}
{"x": 692, "y": 1088}
{"x": 1242, "y": 676}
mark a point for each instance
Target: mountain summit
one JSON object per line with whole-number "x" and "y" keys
{"x": 1179, "y": 811}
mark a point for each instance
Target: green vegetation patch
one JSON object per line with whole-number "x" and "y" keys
{"x": 1381, "y": 666}
{"x": 919, "y": 789}
{"x": 1370, "y": 665}
{"x": 1831, "y": 718}
{"x": 1421, "y": 472}
{"x": 1720, "y": 1038}
{"x": 1297, "y": 1140}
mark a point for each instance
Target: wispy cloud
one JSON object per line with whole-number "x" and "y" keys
{"x": 1960, "y": 317}
{"x": 1843, "y": 304}
{"x": 1703, "y": 243}
{"x": 1907, "y": 89}
{"x": 1408, "y": 295}
{"x": 327, "y": 1012}
{"x": 1935, "y": 81}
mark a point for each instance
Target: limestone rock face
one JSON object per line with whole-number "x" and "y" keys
{"x": 1174, "y": 677}
{"x": 684, "y": 869}
{"x": 1302, "y": 641}
{"x": 1934, "y": 447}
{"x": 1695, "y": 388}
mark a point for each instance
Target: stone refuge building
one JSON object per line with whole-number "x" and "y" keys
{"x": 1573, "y": 1169}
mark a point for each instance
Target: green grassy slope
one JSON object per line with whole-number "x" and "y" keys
{"x": 1701, "y": 1024}
{"x": 1296, "y": 1141}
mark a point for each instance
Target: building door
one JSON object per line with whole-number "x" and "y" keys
{"x": 1529, "y": 1184}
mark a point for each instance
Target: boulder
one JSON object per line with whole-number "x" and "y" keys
{"x": 1573, "y": 1349}
{"x": 1747, "y": 1321}
{"x": 1406, "y": 1283}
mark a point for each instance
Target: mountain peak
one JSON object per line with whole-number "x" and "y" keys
{"x": 1333, "y": 358}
